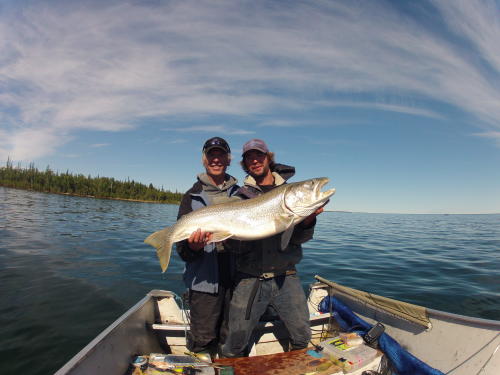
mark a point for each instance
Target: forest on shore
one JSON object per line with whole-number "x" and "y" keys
{"x": 48, "y": 181}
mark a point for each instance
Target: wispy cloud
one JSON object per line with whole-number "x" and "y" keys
{"x": 177, "y": 141}
{"x": 108, "y": 66}
{"x": 30, "y": 143}
{"x": 72, "y": 156}
{"x": 99, "y": 145}
{"x": 477, "y": 22}
{"x": 219, "y": 129}
{"x": 400, "y": 108}
{"x": 495, "y": 135}
{"x": 282, "y": 123}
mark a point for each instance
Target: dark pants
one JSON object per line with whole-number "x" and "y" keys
{"x": 209, "y": 314}
{"x": 284, "y": 294}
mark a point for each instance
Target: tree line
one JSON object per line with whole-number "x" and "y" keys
{"x": 31, "y": 178}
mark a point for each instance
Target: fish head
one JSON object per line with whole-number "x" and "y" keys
{"x": 304, "y": 197}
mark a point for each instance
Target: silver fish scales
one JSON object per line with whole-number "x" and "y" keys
{"x": 276, "y": 211}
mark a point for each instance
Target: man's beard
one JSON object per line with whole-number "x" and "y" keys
{"x": 262, "y": 173}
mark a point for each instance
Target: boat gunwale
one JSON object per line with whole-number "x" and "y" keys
{"x": 480, "y": 322}
{"x": 434, "y": 314}
{"x": 431, "y": 313}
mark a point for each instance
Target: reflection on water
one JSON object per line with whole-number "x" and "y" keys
{"x": 70, "y": 266}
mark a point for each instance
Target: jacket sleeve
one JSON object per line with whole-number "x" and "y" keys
{"x": 186, "y": 254}
{"x": 302, "y": 233}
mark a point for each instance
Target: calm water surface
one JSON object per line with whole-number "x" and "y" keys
{"x": 70, "y": 266}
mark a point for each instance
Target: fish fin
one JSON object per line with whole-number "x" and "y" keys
{"x": 162, "y": 241}
{"x": 285, "y": 237}
{"x": 220, "y": 236}
{"x": 287, "y": 234}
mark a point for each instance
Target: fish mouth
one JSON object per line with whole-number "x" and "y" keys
{"x": 323, "y": 195}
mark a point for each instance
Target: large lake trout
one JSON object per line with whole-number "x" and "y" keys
{"x": 276, "y": 211}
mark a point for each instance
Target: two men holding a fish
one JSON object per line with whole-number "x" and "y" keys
{"x": 270, "y": 227}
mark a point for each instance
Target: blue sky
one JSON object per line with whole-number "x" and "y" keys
{"x": 398, "y": 102}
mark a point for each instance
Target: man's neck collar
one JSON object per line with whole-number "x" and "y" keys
{"x": 207, "y": 179}
{"x": 217, "y": 180}
{"x": 277, "y": 180}
{"x": 268, "y": 179}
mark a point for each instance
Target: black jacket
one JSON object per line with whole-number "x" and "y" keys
{"x": 262, "y": 256}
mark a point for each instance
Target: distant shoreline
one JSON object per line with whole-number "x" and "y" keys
{"x": 178, "y": 203}
{"x": 79, "y": 185}
{"x": 409, "y": 213}
{"x": 92, "y": 196}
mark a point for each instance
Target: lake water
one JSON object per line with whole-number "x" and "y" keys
{"x": 70, "y": 266}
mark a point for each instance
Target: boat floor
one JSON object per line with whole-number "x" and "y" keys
{"x": 297, "y": 362}
{"x": 288, "y": 363}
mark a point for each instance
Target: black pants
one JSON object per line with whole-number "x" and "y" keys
{"x": 209, "y": 316}
{"x": 284, "y": 294}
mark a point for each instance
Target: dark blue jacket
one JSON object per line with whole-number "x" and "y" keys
{"x": 203, "y": 271}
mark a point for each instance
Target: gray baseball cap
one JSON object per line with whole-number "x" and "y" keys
{"x": 255, "y": 144}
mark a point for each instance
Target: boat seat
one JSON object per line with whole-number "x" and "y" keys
{"x": 170, "y": 327}
{"x": 169, "y": 312}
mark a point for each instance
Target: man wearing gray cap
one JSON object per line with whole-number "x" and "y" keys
{"x": 209, "y": 267}
{"x": 266, "y": 276}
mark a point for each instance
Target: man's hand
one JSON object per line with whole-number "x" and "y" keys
{"x": 308, "y": 220}
{"x": 199, "y": 239}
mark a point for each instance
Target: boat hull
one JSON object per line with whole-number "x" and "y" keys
{"x": 111, "y": 351}
{"x": 453, "y": 344}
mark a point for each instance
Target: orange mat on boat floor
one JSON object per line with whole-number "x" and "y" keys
{"x": 290, "y": 363}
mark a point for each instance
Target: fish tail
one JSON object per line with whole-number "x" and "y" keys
{"x": 162, "y": 241}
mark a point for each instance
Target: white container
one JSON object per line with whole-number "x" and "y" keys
{"x": 350, "y": 358}
{"x": 352, "y": 339}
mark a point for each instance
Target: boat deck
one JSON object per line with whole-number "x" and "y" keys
{"x": 296, "y": 362}
{"x": 287, "y": 363}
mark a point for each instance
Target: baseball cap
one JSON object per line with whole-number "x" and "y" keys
{"x": 255, "y": 144}
{"x": 216, "y": 142}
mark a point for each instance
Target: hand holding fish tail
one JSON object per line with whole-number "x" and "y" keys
{"x": 199, "y": 239}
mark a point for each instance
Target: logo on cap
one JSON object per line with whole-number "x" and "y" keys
{"x": 216, "y": 142}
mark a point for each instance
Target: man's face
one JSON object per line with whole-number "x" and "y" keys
{"x": 217, "y": 162}
{"x": 257, "y": 163}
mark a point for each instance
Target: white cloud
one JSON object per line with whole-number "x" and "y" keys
{"x": 282, "y": 123}
{"x": 30, "y": 143}
{"x": 99, "y": 145}
{"x": 108, "y": 66}
{"x": 72, "y": 156}
{"x": 479, "y": 23}
{"x": 400, "y": 108}
{"x": 495, "y": 135}
{"x": 220, "y": 129}
{"x": 177, "y": 141}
